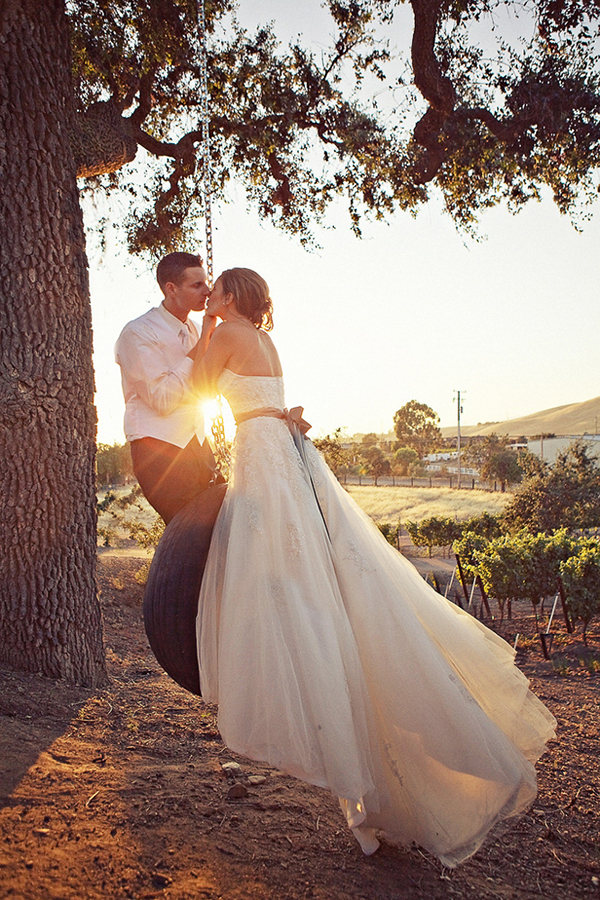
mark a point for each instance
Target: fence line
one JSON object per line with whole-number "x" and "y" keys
{"x": 467, "y": 483}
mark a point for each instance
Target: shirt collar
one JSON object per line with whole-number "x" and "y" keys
{"x": 171, "y": 320}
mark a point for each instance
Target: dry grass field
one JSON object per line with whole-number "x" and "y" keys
{"x": 390, "y": 504}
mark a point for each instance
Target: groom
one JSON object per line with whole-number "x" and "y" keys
{"x": 164, "y": 423}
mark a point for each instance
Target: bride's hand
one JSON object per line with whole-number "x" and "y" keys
{"x": 209, "y": 323}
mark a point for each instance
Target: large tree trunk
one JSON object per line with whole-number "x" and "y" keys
{"x": 50, "y": 620}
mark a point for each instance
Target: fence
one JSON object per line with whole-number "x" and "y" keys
{"x": 467, "y": 482}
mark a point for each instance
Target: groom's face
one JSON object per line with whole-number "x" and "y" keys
{"x": 189, "y": 294}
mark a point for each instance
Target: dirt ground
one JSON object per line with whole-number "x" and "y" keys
{"x": 121, "y": 793}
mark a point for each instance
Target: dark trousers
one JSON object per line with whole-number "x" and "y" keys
{"x": 170, "y": 476}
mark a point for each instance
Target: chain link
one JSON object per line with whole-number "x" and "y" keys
{"x": 218, "y": 426}
{"x": 204, "y": 106}
{"x": 222, "y": 447}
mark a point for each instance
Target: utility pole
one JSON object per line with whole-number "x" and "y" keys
{"x": 459, "y": 409}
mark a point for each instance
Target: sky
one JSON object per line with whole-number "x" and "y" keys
{"x": 414, "y": 310}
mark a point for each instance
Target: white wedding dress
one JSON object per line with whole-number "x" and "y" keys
{"x": 333, "y": 660}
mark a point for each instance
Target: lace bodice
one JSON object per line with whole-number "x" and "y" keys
{"x": 247, "y": 392}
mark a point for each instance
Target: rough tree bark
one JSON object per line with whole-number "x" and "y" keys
{"x": 50, "y": 619}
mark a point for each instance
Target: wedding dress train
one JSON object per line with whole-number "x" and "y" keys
{"x": 333, "y": 660}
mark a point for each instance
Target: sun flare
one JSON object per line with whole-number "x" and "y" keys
{"x": 212, "y": 409}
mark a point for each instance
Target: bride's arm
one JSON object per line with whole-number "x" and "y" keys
{"x": 211, "y": 354}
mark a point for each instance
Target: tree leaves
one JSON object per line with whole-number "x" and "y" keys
{"x": 300, "y": 129}
{"x": 416, "y": 426}
{"x": 564, "y": 495}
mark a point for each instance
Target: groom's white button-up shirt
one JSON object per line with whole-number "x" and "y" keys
{"x": 156, "y": 374}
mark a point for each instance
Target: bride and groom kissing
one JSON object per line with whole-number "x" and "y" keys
{"x": 329, "y": 656}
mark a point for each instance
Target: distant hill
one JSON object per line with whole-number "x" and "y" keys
{"x": 574, "y": 418}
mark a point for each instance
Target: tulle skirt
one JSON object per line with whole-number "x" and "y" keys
{"x": 333, "y": 660}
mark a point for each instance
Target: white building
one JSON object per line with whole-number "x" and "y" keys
{"x": 549, "y": 448}
{"x": 448, "y": 462}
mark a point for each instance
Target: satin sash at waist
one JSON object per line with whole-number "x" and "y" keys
{"x": 291, "y": 416}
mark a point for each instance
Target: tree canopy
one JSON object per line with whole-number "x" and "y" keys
{"x": 332, "y": 448}
{"x": 565, "y": 495}
{"x": 493, "y": 457}
{"x": 485, "y": 120}
{"x": 416, "y": 426}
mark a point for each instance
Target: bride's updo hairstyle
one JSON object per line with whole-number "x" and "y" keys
{"x": 251, "y": 293}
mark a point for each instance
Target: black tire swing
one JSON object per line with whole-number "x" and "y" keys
{"x": 173, "y": 586}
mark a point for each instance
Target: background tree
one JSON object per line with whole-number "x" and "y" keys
{"x": 113, "y": 462}
{"x": 403, "y": 458}
{"x": 566, "y": 494}
{"x": 494, "y": 459}
{"x": 376, "y": 463}
{"x": 332, "y": 449}
{"x": 417, "y": 469}
{"x": 368, "y": 440}
{"x": 416, "y": 426}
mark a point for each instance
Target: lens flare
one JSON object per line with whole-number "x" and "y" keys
{"x": 212, "y": 409}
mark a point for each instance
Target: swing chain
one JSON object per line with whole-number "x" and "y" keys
{"x": 222, "y": 451}
{"x": 204, "y": 106}
{"x": 218, "y": 426}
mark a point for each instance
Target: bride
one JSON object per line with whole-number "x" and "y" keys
{"x": 328, "y": 654}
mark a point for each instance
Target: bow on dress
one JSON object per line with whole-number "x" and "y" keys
{"x": 295, "y": 415}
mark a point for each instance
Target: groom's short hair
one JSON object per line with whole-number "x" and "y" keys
{"x": 172, "y": 267}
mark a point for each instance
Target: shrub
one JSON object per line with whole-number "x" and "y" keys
{"x": 465, "y": 548}
{"x": 391, "y": 533}
{"x": 485, "y": 525}
{"x": 519, "y": 566}
{"x": 436, "y": 531}
{"x": 581, "y": 579}
{"x": 500, "y": 565}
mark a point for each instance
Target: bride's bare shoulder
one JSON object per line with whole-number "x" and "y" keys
{"x": 233, "y": 328}
{"x": 230, "y": 331}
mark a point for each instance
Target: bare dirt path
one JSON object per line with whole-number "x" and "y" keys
{"x": 121, "y": 793}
